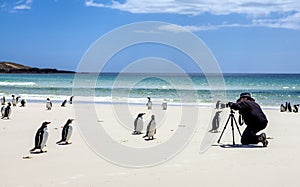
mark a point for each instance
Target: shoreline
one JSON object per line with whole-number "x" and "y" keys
{"x": 155, "y": 103}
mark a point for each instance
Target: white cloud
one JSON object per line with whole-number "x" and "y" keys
{"x": 257, "y": 12}
{"x": 23, "y": 5}
{"x": 91, "y": 3}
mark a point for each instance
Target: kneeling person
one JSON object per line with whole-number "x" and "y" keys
{"x": 254, "y": 118}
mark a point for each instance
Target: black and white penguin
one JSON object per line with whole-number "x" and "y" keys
{"x": 138, "y": 124}
{"x": 151, "y": 128}
{"x": 149, "y": 103}
{"x": 14, "y": 100}
{"x": 296, "y": 108}
{"x": 282, "y": 108}
{"x": 3, "y": 100}
{"x": 17, "y": 99}
{"x": 164, "y": 105}
{"x": 41, "y": 138}
{"x": 66, "y": 133}
{"x": 216, "y": 122}
{"x": 6, "y": 111}
{"x": 23, "y": 103}
{"x": 48, "y": 104}
{"x": 63, "y": 104}
{"x": 218, "y": 104}
{"x": 71, "y": 99}
{"x": 289, "y": 107}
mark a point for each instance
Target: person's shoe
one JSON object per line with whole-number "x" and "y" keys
{"x": 263, "y": 139}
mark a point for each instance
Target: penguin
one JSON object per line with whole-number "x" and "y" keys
{"x": 151, "y": 128}
{"x": 71, "y": 99}
{"x": 282, "y": 108}
{"x": 296, "y": 108}
{"x": 149, "y": 103}
{"x": 66, "y": 133}
{"x": 17, "y": 99}
{"x": 289, "y": 107}
{"x": 216, "y": 122}
{"x": 63, "y": 104}
{"x": 138, "y": 124}
{"x": 218, "y": 104}
{"x": 41, "y": 138}
{"x": 3, "y": 100}
{"x": 23, "y": 103}
{"x": 164, "y": 105}
{"x": 48, "y": 104}
{"x": 14, "y": 100}
{"x": 6, "y": 111}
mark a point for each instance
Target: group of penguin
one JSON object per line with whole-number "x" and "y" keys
{"x": 288, "y": 108}
{"x": 63, "y": 104}
{"x": 151, "y": 127}
{"x": 42, "y": 133}
{"x": 139, "y": 125}
{"x": 6, "y": 110}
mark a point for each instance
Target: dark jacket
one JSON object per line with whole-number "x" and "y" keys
{"x": 251, "y": 112}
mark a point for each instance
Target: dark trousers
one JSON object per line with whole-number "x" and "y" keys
{"x": 249, "y": 135}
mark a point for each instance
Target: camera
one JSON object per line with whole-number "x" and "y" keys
{"x": 220, "y": 105}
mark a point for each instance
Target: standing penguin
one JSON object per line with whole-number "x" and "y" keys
{"x": 71, "y": 99}
{"x": 282, "y": 108}
{"x": 41, "y": 138}
{"x": 14, "y": 100}
{"x": 289, "y": 107}
{"x": 6, "y": 111}
{"x": 149, "y": 103}
{"x": 48, "y": 104}
{"x": 138, "y": 124}
{"x": 17, "y": 99}
{"x": 164, "y": 105}
{"x": 23, "y": 103}
{"x": 3, "y": 100}
{"x": 64, "y": 103}
{"x": 151, "y": 128}
{"x": 216, "y": 122}
{"x": 66, "y": 133}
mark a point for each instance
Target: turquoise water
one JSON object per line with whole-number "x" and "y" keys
{"x": 270, "y": 90}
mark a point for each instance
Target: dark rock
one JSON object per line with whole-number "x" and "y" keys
{"x": 10, "y": 67}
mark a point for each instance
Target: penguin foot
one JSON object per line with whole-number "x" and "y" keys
{"x": 33, "y": 149}
{"x": 59, "y": 142}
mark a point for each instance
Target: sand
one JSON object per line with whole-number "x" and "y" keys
{"x": 78, "y": 165}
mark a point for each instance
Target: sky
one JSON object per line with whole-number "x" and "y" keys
{"x": 245, "y": 36}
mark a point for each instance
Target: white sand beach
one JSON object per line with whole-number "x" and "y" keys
{"x": 77, "y": 165}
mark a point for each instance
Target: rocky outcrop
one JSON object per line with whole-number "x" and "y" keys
{"x": 10, "y": 67}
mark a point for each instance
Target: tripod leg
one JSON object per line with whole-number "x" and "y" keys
{"x": 223, "y": 130}
{"x": 237, "y": 127}
{"x": 232, "y": 129}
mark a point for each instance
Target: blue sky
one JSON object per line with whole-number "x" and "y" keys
{"x": 250, "y": 36}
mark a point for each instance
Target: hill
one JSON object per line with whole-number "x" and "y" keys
{"x": 11, "y": 67}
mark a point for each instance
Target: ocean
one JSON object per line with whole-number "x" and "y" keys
{"x": 269, "y": 90}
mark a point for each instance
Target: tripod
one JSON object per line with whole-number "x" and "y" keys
{"x": 232, "y": 120}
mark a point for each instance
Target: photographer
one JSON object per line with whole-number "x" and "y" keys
{"x": 254, "y": 118}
